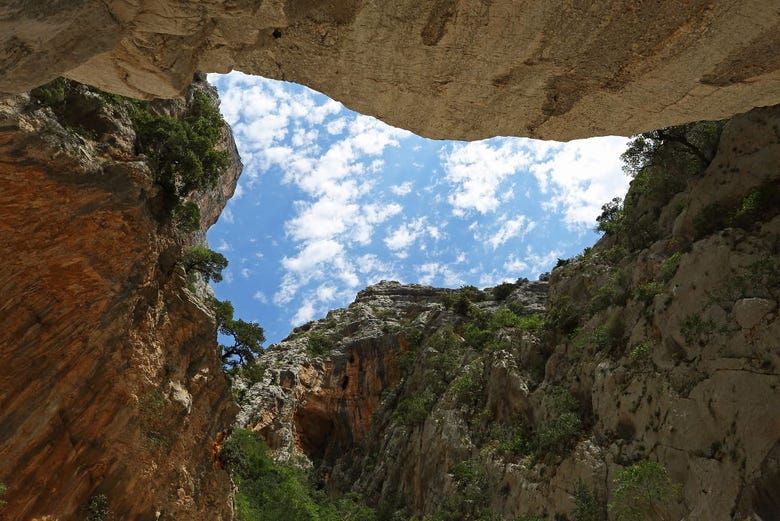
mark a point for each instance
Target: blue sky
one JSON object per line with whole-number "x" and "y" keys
{"x": 331, "y": 201}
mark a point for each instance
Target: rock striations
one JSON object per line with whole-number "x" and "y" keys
{"x": 659, "y": 353}
{"x": 553, "y": 69}
{"x": 110, "y": 381}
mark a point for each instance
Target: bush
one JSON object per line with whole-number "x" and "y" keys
{"x": 646, "y": 292}
{"x": 613, "y": 292}
{"x": 413, "y": 410}
{"x": 670, "y": 265}
{"x": 3, "y": 490}
{"x": 50, "y": 95}
{"x": 503, "y": 290}
{"x": 641, "y": 352}
{"x": 468, "y": 387}
{"x": 562, "y": 316}
{"x": 271, "y": 491}
{"x": 694, "y": 329}
{"x": 587, "y": 506}
{"x": 319, "y": 344}
{"x": 187, "y": 217}
{"x": 640, "y": 491}
{"x": 202, "y": 260}
{"x": 182, "y": 151}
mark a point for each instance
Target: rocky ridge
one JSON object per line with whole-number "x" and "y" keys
{"x": 111, "y": 387}
{"x": 660, "y": 355}
{"x": 553, "y": 70}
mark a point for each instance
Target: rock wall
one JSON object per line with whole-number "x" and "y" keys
{"x": 553, "y": 70}
{"x": 666, "y": 351}
{"x": 110, "y": 380}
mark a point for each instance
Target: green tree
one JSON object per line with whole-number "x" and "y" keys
{"x": 611, "y": 217}
{"x": 204, "y": 261}
{"x": 248, "y": 337}
{"x": 641, "y": 491}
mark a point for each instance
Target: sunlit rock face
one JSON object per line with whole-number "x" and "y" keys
{"x": 554, "y": 70}
{"x": 110, "y": 380}
{"x": 665, "y": 352}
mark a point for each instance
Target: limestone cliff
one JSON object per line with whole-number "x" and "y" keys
{"x": 111, "y": 387}
{"x": 659, "y": 352}
{"x": 554, "y": 69}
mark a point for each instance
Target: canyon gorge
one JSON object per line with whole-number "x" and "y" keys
{"x": 653, "y": 356}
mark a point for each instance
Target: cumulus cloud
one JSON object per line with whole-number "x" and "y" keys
{"x": 477, "y": 171}
{"x": 509, "y": 228}
{"x": 402, "y": 189}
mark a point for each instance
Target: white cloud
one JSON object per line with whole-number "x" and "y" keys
{"x": 515, "y": 265}
{"x": 246, "y": 272}
{"x": 509, "y": 228}
{"x": 477, "y": 170}
{"x": 260, "y": 297}
{"x": 580, "y": 176}
{"x": 223, "y": 246}
{"x": 402, "y": 189}
{"x": 304, "y": 314}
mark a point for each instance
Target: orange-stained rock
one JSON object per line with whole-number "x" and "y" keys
{"x": 110, "y": 381}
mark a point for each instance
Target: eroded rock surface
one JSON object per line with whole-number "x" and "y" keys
{"x": 110, "y": 380}
{"x": 662, "y": 350}
{"x": 554, "y": 70}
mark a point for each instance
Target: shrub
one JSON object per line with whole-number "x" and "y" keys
{"x": 562, "y": 316}
{"x": 641, "y": 352}
{"x": 646, "y": 292}
{"x": 187, "y": 217}
{"x": 503, "y": 290}
{"x": 271, "y": 491}
{"x": 3, "y": 490}
{"x": 587, "y": 506}
{"x": 98, "y": 508}
{"x": 694, "y": 329}
{"x": 319, "y": 344}
{"x": 613, "y": 292}
{"x": 202, "y": 260}
{"x": 533, "y": 323}
{"x": 50, "y": 95}
{"x": 413, "y": 410}
{"x": 476, "y": 336}
{"x": 468, "y": 387}
{"x": 182, "y": 151}
{"x": 670, "y": 265}
{"x": 759, "y": 204}
{"x": 461, "y": 304}
{"x": 640, "y": 491}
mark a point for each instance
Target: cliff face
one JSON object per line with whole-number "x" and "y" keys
{"x": 661, "y": 357}
{"x": 554, "y": 70}
{"x": 110, "y": 380}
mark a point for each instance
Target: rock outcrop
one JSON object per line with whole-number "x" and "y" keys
{"x": 659, "y": 348}
{"x": 111, "y": 387}
{"x": 553, "y": 70}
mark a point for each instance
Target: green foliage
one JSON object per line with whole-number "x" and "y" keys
{"x": 252, "y": 372}
{"x": 99, "y": 508}
{"x": 646, "y": 292}
{"x": 759, "y": 204}
{"x": 533, "y": 323}
{"x": 502, "y": 318}
{"x": 413, "y": 410}
{"x": 202, "y": 260}
{"x": 182, "y": 151}
{"x": 187, "y": 217}
{"x": 670, "y": 265}
{"x": 562, "y": 315}
{"x": 50, "y": 95}
{"x": 3, "y": 490}
{"x": 557, "y": 436}
{"x": 153, "y": 419}
{"x": 319, "y": 344}
{"x": 469, "y": 386}
{"x": 641, "y": 352}
{"x": 613, "y": 292}
{"x": 503, "y": 290}
{"x": 587, "y": 506}
{"x": 271, "y": 491}
{"x": 248, "y": 337}
{"x": 694, "y": 329}
{"x": 514, "y": 438}
{"x": 640, "y": 491}
{"x": 611, "y": 219}
{"x": 476, "y": 336}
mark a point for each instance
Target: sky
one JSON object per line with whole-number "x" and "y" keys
{"x": 331, "y": 201}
